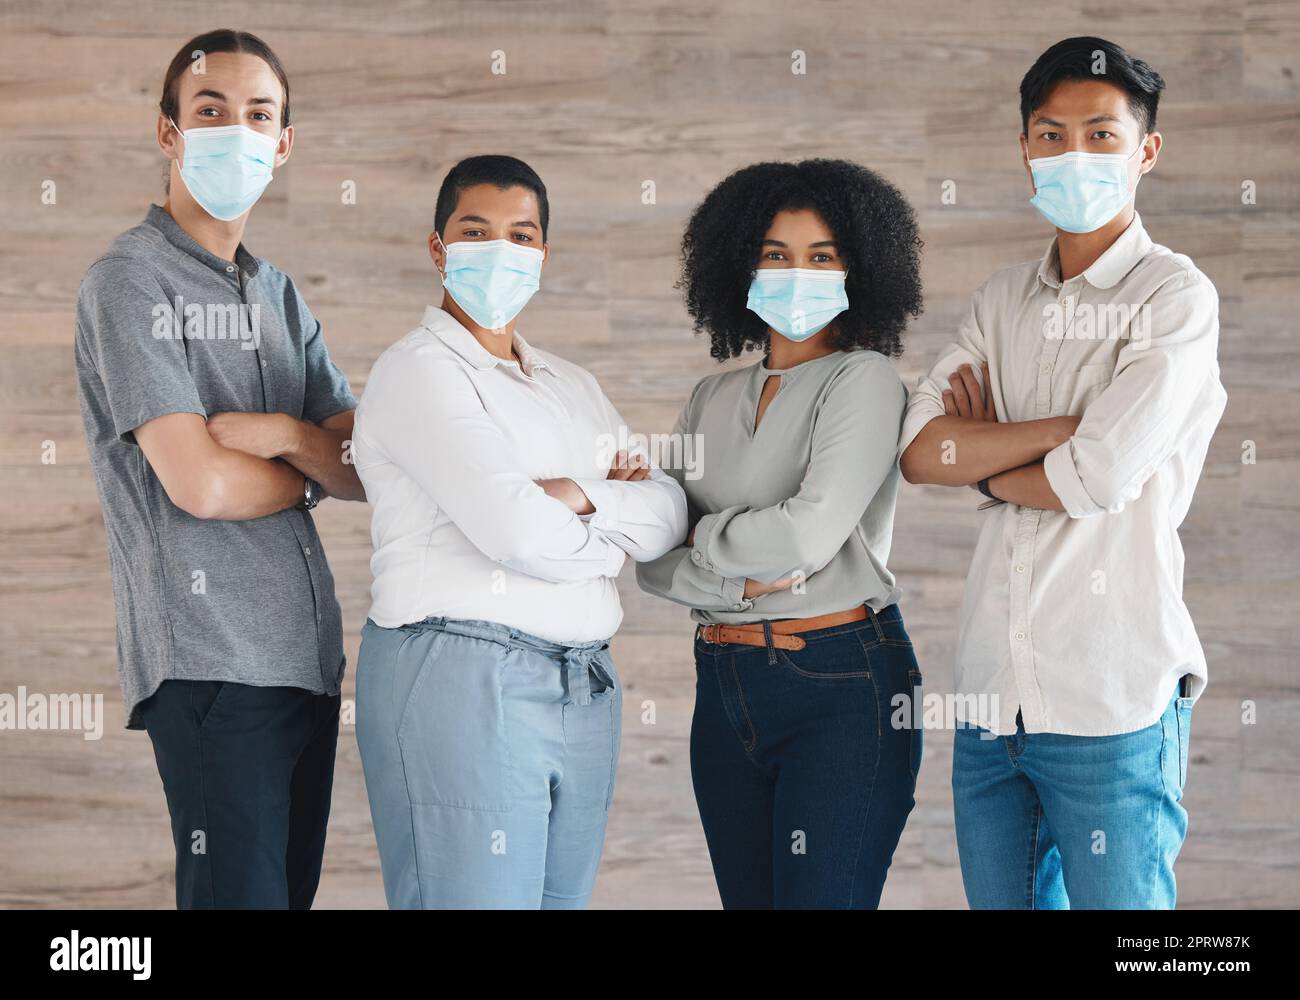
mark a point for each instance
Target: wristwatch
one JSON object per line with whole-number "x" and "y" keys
{"x": 993, "y": 500}
{"x": 311, "y": 494}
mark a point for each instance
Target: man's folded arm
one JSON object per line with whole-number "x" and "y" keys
{"x": 208, "y": 481}
{"x": 322, "y": 452}
{"x": 1163, "y": 385}
{"x": 944, "y": 450}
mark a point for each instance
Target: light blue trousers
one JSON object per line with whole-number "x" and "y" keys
{"x": 489, "y": 758}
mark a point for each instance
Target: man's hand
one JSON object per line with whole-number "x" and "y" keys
{"x": 965, "y": 399}
{"x": 316, "y": 450}
{"x": 266, "y": 435}
{"x": 967, "y": 442}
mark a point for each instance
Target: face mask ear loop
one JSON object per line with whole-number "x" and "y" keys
{"x": 442, "y": 275}
{"x": 176, "y": 127}
{"x": 1140, "y": 144}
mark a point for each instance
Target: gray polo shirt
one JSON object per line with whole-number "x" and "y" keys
{"x": 164, "y": 326}
{"x": 809, "y": 494}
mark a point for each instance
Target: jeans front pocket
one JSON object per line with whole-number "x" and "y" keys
{"x": 915, "y": 719}
{"x": 452, "y": 734}
{"x": 839, "y": 657}
{"x": 1184, "y": 713}
{"x": 898, "y": 685}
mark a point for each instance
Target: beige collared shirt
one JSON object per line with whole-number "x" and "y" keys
{"x": 1077, "y": 618}
{"x": 448, "y": 442}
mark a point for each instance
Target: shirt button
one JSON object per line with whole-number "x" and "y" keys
{"x": 1046, "y": 369}
{"x": 263, "y": 363}
{"x": 1020, "y": 568}
{"x": 306, "y": 552}
{"x": 696, "y": 557}
{"x": 230, "y": 268}
{"x": 1020, "y": 636}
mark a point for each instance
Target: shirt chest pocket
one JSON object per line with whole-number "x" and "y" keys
{"x": 1076, "y": 389}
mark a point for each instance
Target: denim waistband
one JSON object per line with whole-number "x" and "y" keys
{"x": 579, "y": 659}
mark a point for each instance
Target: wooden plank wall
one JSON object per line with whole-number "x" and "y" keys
{"x": 600, "y": 97}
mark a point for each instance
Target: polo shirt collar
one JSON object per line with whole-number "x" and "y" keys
{"x": 160, "y": 219}
{"x": 1105, "y": 272}
{"x": 446, "y": 328}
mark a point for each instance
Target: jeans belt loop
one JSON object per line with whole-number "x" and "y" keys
{"x": 767, "y": 638}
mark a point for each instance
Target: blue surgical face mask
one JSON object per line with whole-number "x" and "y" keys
{"x": 797, "y": 302}
{"x": 491, "y": 280}
{"x": 1081, "y": 192}
{"x": 227, "y": 167}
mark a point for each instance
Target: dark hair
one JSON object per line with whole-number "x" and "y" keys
{"x": 874, "y": 231}
{"x": 496, "y": 169}
{"x": 221, "y": 40}
{"x": 1077, "y": 59}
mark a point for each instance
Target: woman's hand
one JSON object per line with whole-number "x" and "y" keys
{"x": 755, "y": 588}
{"x": 629, "y": 468}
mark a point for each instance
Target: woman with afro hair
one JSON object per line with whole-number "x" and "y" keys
{"x": 804, "y": 755}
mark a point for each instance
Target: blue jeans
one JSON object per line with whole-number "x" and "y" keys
{"x": 803, "y": 774}
{"x": 489, "y": 758}
{"x": 1051, "y": 822}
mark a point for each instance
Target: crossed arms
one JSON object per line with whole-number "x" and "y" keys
{"x": 238, "y": 466}
{"x": 559, "y": 530}
{"x": 968, "y": 444}
{"x": 1092, "y": 463}
{"x": 741, "y": 553}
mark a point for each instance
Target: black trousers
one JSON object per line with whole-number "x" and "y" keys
{"x": 248, "y": 773}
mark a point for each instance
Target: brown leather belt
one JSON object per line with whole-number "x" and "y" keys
{"x": 783, "y": 629}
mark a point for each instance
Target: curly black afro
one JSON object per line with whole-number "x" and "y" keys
{"x": 874, "y": 229}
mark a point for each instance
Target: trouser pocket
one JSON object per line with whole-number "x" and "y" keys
{"x": 452, "y": 734}
{"x": 1183, "y": 711}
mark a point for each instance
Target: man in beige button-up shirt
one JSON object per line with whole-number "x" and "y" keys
{"x": 1074, "y": 614}
{"x": 1080, "y": 397}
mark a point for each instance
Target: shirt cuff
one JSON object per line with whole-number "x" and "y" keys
{"x": 704, "y": 530}
{"x": 1063, "y": 477}
{"x": 604, "y": 497}
{"x": 733, "y": 592}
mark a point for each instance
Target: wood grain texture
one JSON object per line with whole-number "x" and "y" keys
{"x": 601, "y": 97}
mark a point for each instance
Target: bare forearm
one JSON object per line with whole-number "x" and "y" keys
{"x": 323, "y": 453}
{"x": 240, "y": 487}
{"x": 1026, "y": 486}
{"x": 958, "y": 451}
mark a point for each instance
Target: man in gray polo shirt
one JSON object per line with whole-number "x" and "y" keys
{"x": 216, "y": 421}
